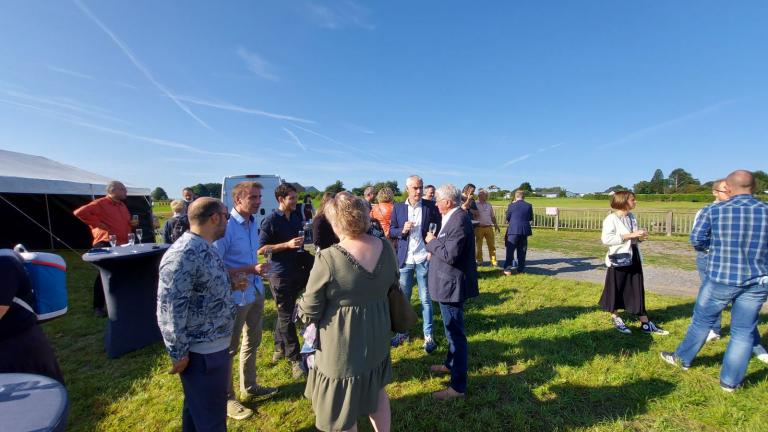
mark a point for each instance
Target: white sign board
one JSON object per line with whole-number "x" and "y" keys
{"x": 551, "y": 211}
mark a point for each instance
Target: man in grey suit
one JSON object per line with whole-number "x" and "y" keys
{"x": 519, "y": 217}
{"x": 452, "y": 280}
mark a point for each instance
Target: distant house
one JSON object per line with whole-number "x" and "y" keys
{"x": 311, "y": 190}
{"x": 550, "y": 195}
{"x": 493, "y": 188}
{"x": 569, "y": 194}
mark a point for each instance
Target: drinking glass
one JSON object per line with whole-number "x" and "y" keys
{"x": 139, "y": 234}
{"x": 112, "y": 240}
{"x": 135, "y": 220}
{"x": 301, "y": 234}
{"x": 432, "y": 227}
{"x": 241, "y": 283}
{"x": 131, "y": 239}
{"x": 267, "y": 257}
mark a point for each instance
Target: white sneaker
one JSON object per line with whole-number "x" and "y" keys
{"x": 712, "y": 336}
{"x": 760, "y": 353}
{"x": 237, "y": 411}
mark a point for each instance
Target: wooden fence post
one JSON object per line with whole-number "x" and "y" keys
{"x": 557, "y": 219}
{"x": 669, "y": 224}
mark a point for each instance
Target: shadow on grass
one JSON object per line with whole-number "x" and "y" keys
{"x": 531, "y": 397}
{"x": 572, "y": 265}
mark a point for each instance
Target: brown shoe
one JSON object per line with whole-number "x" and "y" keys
{"x": 276, "y": 356}
{"x": 441, "y": 369}
{"x": 447, "y": 394}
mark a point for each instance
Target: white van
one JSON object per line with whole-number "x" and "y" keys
{"x": 268, "y": 200}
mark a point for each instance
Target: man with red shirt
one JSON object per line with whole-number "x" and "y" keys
{"x": 106, "y": 216}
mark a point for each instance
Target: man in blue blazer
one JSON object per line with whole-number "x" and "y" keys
{"x": 410, "y": 222}
{"x": 519, "y": 217}
{"x": 453, "y": 280}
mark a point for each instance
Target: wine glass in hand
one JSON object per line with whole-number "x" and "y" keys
{"x": 432, "y": 227}
{"x": 240, "y": 281}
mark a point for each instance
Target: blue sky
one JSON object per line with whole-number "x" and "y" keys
{"x": 581, "y": 94}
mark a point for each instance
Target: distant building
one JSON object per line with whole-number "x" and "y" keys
{"x": 311, "y": 190}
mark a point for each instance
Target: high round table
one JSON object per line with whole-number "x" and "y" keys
{"x": 32, "y": 403}
{"x": 129, "y": 275}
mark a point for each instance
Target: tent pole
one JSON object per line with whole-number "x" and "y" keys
{"x": 48, "y": 214}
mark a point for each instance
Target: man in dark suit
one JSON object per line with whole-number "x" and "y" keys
{"x": 410, "y": 222}
{"x": 453, "y": 280}
{"x": 519, "y": 217}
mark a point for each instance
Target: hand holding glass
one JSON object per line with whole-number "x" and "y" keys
{"x": 240, "y": 281}
{"x": 301, "y": 246}
{"x": 432, "y": 228}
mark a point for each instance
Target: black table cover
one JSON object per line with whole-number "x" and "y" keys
{"x": 129, "y": 275}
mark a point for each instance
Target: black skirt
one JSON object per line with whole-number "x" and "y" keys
{"x": 624, "y": 287}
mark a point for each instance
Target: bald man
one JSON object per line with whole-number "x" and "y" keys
{"x": 734, "y": 232}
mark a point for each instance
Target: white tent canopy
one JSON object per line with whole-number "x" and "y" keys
{"x": 24, "y": 173}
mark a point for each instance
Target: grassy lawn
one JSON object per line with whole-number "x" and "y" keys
{"x": 542, "y": 357}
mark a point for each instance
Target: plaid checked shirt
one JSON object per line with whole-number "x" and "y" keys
{"x": 736, "y": 234}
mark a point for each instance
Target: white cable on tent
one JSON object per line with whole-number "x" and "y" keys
{"x": 36, "y": 223}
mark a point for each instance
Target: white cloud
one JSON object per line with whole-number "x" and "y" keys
{"x": 256, "y": 64}
{"x": 143, "y": 69}
{"x": 236, "y": 108}
{"x": 341, "y": 15}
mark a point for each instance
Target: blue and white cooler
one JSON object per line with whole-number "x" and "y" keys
{"x": 48, "y": 273}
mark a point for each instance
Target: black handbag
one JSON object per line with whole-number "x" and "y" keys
{"x": 620, "y": 259}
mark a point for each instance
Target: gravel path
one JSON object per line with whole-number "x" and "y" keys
{"x": 660, "y": 280}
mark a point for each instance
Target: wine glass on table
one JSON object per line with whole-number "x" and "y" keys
{"x": 131, "y": 238}
{"x": 139, "y": 234}
{"x": 112, "y": 240}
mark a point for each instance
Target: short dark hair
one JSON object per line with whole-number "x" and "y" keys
{"x": 188, "y": 189}
{"x": 284, "y": 190}
{"x": 243, "y": 188}
{"x": 467, "y": 186}
{"x": 429, "y": 186}
{"x": 620, "y": 200}
{"x": 201, "y": 210}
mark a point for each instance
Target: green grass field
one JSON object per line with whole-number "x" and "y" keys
{"x": 542, "y": 357}
{"x": 581, "y": 203}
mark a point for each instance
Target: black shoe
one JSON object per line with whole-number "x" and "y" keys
{"x": 261, "y": 392}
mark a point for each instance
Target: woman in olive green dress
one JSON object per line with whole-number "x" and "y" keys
{"x": 346, "y": 298}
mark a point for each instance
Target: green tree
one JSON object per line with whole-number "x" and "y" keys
{"x": 212, "y": 190}
{"x": 358, "y": 191}
{"x": 643, "y": 187}
{"x": 616, "y": 188}
{"x": 159, "y": 194}
{"x": 680, "y": 180}
{"x": 525, "y": 186}
{"x": 336, "y": 187}
{"x": 658, "y": 182}
{"x": 761, "y": 181}
{"x": 392, "y": 184}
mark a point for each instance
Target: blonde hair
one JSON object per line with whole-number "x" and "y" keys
{"x": 385, "y": 195}
{"x": 348, "y": 215}
{"x": 177, "y": 206}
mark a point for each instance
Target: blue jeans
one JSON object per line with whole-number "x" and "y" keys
{"x": 712, "y": 299}
{"x": 205, "y": 381}
{"x": 457, "y": 358}
{"x": 701, "y": 267}
{"x": 407, "y": 273}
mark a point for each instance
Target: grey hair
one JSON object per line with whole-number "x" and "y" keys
{"x": 448, "y": 192}
{"x": 113, "y": 184}
{"x": 413, "y": 177}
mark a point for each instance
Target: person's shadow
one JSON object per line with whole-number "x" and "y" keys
{"x": 565, "y": 265}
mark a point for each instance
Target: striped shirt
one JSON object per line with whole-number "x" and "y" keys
{"x": 736, "y": 234}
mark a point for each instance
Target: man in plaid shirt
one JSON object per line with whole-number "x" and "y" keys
{"x": 736, "y": 234}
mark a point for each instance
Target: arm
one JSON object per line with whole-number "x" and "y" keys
{"x": 530, "y": 213}
{"x": 395, "y": 225}
{"x": 449, "y": 247}
{"x": 174, "y": 291}
{"x": 610, "y": 235}
{"x": 701, "y": 234}
{"x": 90, "y": 215}
{"x": 311, "y": 305}
{"x": 267, "y": 238}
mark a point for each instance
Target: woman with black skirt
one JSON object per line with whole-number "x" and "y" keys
{"x": 624, "y": 287}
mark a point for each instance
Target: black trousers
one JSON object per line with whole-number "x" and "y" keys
{"x": 286, "y": 290}
{"x": 99, "y": 302}
{"x": 29, "y": 352}
{"x": 205, "y": 383}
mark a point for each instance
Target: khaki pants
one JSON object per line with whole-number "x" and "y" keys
{"x": 485, "y": 232}
{"x": 248, "y": 318}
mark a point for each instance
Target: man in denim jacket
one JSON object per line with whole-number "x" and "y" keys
{"x": 195, "y": 313}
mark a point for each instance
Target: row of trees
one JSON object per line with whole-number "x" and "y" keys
{"x": 681, "y": 181}
{"x": 201, "y": 189}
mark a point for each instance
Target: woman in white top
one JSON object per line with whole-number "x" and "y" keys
{"x": 624, "y": 287}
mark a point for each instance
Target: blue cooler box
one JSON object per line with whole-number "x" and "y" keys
{"x": 48, "y": 273}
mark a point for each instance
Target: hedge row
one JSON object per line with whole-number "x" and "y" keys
{"x": 667, "y": 197}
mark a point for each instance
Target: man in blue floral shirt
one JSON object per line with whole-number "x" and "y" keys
{"x": 196, "y": 313}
